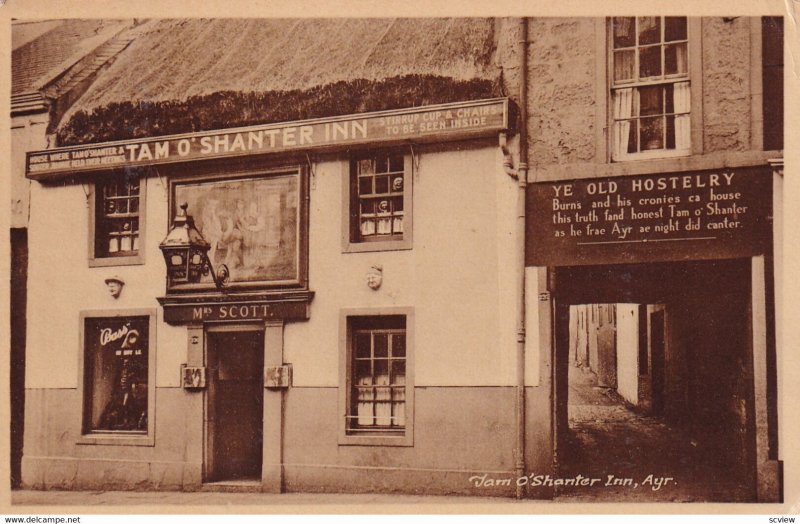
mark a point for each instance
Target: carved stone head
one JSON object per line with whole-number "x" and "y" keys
{"x": 375, "y": 276}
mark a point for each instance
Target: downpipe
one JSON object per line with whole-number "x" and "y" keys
{"x": 521, "y": 176}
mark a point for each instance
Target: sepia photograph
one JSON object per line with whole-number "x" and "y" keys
{"x": 505, "y": 260}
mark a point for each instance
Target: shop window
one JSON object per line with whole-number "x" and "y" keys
{"x": 379, "y": 214}
{"x": 378, "y": 394}
{"x": 117, "y": 378}
{"x": 650, "y": 89}
{"x": 118, "y": 224}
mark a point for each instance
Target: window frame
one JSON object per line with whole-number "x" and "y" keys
{"x": 96, "y": 200}
{"x": 693, "y": 77}
{"x": 378, "y": 437}
{"x": 351, "y": 243}
{"x": 112, "y": 438}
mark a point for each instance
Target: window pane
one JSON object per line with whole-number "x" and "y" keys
{"x": 649, "y": 30}
{"x": 366, "y": 166}
{"x": 397, "y": 204}
{"x": 650, "y": 61}
{"x": 367, "y": 227}
{"x": 116, "y": 367}
{"x": 398, "y": 377}
{"x": 398, "y": 345}
{"x": 624, "y": 32}
{"x": 383, "y": 407}
{"x": 624, "y": 65}
{"x": 381, "y": 367}
{"x": 362, "y": 345}
{"x": 399, "y": 411}
{"x": 381, "y": 341}
{"x": 367, "y": 207}
{"x": 363, "y": 373}
{"x": 110, "y": 189}
{"x": 125, "y": 243}
{"x": 397, "y": 184}
{"x": 670, "y": 132}
{"x": 674, "y": 28}
{"x": 365, "y": 185}
{"x": 396, "y": 163}
{"x": 652, "y": 133}
{"x": 651, "y": 100}
{"x": 675, "y": 59}
{"x": 633, "y": 135}
{"x": 669, "y": 98}
{"x": 381, "y": 184}
{"x": 382, "y": 164}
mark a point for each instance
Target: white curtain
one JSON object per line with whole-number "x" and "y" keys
{"x": 383, "y": 404}
{"x": 623, "y": 108}
{"x": 399, "y": 396}
{"x": 682, "y": 103}
{"x": 365, "y": 415}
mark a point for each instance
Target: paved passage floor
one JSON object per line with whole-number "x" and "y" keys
{"x": 662, "y": 464}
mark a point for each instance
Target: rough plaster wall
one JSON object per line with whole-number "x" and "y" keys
{"x": 507, "y": 60}
{"x": 726, "y": 84}
{"x": 561, "y": 93}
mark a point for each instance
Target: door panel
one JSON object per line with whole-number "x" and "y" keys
{"x": 236, "y": 401}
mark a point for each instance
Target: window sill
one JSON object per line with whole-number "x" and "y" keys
{"x": 366, "y": 247}
{"x": 377, "y": 440}
{"x": 116, "y": 439}
{"x": 653, "y": 155}
{"x": 134, "y": 260}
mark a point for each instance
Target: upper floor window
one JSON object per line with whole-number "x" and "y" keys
{"x": 118, "y": 221}
{"x": 650, "y": 87}
{"x": 380, "y": 202}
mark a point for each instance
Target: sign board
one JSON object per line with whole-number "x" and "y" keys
{"x": 439, "y": 122}
{"x": 665, "y": 217}
{"x": 187, "y": 313}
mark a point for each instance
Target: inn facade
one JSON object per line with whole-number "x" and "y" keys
{"x": 372, "y": 272}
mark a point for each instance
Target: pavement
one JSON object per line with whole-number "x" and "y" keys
{"x": 283, "y": 502}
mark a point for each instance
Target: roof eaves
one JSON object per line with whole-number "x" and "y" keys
{"x": 28, "y": 103}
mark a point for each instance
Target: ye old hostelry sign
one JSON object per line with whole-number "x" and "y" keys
{"x": 440, "y": 122}
{"x": 673, "y": 216}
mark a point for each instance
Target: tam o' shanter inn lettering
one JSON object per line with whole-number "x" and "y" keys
{"x": 454, "y": 119}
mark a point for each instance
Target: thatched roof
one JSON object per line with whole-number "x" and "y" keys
{"x": 249, "y": 67}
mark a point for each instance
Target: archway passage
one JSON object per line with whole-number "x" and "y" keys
{"x": 654, "y": 382}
